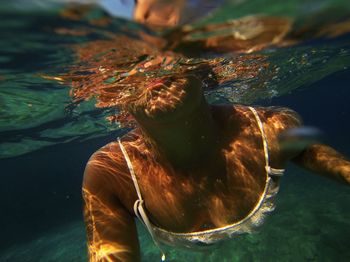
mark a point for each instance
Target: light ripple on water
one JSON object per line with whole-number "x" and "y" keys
{"x": 37, "y": 112}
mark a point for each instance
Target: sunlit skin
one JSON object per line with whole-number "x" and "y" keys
{"x": 158, "y": 13}
{"x": 199, "y": 166}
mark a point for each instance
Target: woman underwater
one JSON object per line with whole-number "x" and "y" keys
{"x": 193, "y": 173}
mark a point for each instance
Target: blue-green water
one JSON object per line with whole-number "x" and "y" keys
{"x": 46, "y": 140}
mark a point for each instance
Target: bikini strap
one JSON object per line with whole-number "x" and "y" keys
{"x": 131, "y": 169}
{"x": 270, "y": 171}
{"x": 139, "y": 203}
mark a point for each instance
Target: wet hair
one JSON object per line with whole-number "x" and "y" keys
{"x": 115, "y": 72}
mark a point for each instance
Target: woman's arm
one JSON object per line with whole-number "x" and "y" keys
{"x": 298, "y": 144}
{"x": 324, "y": 160}
{"x": 111, "y": 230}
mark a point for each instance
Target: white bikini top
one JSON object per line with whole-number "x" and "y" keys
{"x": 205, "y": 238}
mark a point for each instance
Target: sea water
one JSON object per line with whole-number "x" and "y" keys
{"x": 46, "y": 142}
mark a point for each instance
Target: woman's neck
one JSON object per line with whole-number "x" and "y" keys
{"x": 185, "y": 141}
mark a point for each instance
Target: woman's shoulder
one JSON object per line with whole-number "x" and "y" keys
{"x": 274, "y": 116}
{"x": 107, "y": 165}
{"x": 279, "y": 118}
{"x": 276, "y": 121}
{"x": 111, "y": 152}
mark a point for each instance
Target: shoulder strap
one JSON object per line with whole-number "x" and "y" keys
{"x": 131, "y": 169}
{"x": 269, "y": 170}
{"x": 138, "y": 205}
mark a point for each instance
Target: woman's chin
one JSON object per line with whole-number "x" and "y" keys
{"x": 159, "y": 111}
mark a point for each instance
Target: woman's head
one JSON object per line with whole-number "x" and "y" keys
{"x": 137, "y": 81}
{"x": 166, "y": 99}
{"x": 170, "y": 13}
{"x": 158, "y": 13}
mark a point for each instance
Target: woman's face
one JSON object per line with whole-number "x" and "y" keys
{"x": 165, "y": 99}
{"x": 158, "y": 13}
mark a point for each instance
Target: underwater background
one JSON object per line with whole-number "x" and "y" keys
{"x": 46, "y": 139}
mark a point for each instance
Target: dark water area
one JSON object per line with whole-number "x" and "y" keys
{"x": 42, "y": 190}
{"x": 324, "y": 105}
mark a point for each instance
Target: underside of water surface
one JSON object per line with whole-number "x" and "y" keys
{"x": 53, "y": 115}
{"x": 38, "y": 47}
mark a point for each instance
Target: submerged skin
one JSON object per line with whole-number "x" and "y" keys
{"x": 198, "y": 166}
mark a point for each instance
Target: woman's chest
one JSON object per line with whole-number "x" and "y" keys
{"x": 210, "y": 197}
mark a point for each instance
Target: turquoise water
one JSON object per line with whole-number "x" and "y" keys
{"x": 38, "y": 112}
{"x": 46, "y": 139}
